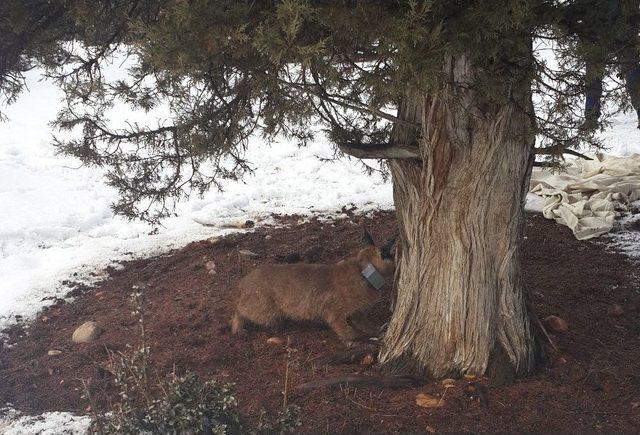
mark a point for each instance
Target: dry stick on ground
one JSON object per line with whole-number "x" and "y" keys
{"x": 362, "y": 381}
{"x": 546, "y": 334}
{"x": 346, "y": 394}
{"x": 92, "y": 405}
{"x": 286, "y": 374}
{"x": 540, "y": 326}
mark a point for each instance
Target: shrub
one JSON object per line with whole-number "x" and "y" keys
{"x": 176, "y": 404}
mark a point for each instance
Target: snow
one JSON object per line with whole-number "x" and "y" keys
{"x": 49, "y": 423}
{"x": 624, "y": 241}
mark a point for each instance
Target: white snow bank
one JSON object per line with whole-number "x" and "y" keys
{"x": 49, "y": 423}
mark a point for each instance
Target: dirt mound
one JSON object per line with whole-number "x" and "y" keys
{"x": 591, "y": 383}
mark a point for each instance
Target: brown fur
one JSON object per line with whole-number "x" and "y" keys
{"x": 322, "y": 292}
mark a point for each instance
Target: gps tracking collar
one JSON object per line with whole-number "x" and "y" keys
{"x": 372, "y": 276}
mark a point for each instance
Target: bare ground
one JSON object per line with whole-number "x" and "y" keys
{"x": 592, "y": 383}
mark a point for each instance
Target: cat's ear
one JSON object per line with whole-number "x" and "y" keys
{"x": 367, "y": 240}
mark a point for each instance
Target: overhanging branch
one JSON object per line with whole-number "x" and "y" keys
{"x": 380, "y": 151}
{"x": 558, "y": 149}
{"x": 544, "y": 165}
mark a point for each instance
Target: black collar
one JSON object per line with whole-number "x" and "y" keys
{"x": 372, "y": 276}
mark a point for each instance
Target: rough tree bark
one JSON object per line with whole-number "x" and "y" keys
{"x": 460, "y": 306}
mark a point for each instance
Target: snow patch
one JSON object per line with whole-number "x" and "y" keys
{"x": 627, "y": 239}
{"x": 49, "y": 423}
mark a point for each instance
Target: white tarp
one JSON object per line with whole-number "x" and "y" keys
{"x": 587, "y": 194}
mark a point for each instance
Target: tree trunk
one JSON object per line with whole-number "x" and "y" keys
{"x": 460, "y": 306}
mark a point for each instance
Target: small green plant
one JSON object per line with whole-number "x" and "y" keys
{"x": 175, "y": 404}
{"x": 287, "y": 421}
{"x": 183, "y": 404}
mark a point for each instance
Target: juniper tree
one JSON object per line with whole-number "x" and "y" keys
{"x": 441, "y": 91}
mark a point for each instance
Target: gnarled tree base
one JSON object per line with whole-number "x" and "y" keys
{"x": 460, "y": 305}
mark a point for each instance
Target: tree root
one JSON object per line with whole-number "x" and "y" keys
{"x": 362, "y": 381}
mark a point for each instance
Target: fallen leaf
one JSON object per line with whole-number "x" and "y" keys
{"x": 469, "y": 377}
{"x": 426, "y": 401}
{"x": 448, "y": 383}
{"x": 275, "y": 341}
{"x": 556, "y": 324}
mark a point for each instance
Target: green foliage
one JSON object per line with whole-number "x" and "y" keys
{"x": 287, "y": 421}
{"x": 175, "y": 404}
{"x": 230, "y": 69}
{"x": 180, "y": 404}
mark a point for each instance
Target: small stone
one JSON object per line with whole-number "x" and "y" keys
{"x": 268, "y": 237}
{"x": 615, "y": 310}
{"x": 85, "y": 333}
{"x": 249, "y": 224}
{"x": 211, "y": 267}
{"x": 556, "y": 324}
{"x": 50, "y": 371}
{"x": 427, "y": 401}
{"x": 45, "y": 319}
{"x": 276, "y": 341}
{"x": 54, "y": 352}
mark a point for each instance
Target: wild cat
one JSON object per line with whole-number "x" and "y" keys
{"x": 320, "y": 292}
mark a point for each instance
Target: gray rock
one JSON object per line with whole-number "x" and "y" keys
{"x": 86, "y": 333}
{"x": 248, "y": 254}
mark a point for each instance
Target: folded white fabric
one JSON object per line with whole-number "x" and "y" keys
{"x": 587, "y": 194}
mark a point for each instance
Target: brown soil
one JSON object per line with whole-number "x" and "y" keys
{"x": 592, "y": 383}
